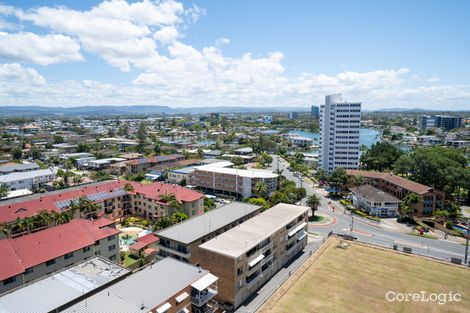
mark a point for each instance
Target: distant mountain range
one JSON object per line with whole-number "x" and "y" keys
{"x": 134, "y": 109}
{"x": 158, "y": 109}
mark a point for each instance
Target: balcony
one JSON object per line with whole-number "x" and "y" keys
{"x": 210, "y": 307}
{"x": 204, "y": 290}
{"x": 175, "y": 252}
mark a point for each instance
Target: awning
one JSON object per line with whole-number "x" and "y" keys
{"x": 302, "y": 235}
{"x": 164, "y": 308}
{"x": 181, "y": 297}
{"x": 295, "y": 230}
{"x": 256, "y": 260}
{"x": 205, "y": 282}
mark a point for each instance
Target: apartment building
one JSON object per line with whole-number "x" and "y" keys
{"x": 375, "y": 201}
{"x": 231, "y": 181}
{"x": 29, "y": 257}
{"x": 400, "y": 187}
{"x": 247, "y": 256}
{"x": 440, "y": 121}
{"x": 300, "y": 141}
{"x": 340, "y": 123}
{"x": 181, "y": 241}
{"x": 168, "y": 286}
{"x": 112, "y": 198}
{"x": 141, "y": 165}
{"x": 67, "y": 286}
{"x": 31, "y": 180}
{"x": 176, "y": 176}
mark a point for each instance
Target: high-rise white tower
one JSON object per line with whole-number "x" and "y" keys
{"x": 340, "y": 123}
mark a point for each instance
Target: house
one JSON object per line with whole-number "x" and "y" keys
{"x": 167, "y": 286}
{"x": 247, "y": 256}
{"x": 91, "y": 275}
{"x": 15, "y": 167}
{"x": 38, "y": 254}
{"x": 375, "y": 201}
{"x": 181, "y": 241}
{"x": 400, "y": 187}
{"x": 214, "y": 154}
{"x": 31, "y": 180}
{"x": 103, "y": 163}
{"x": 143, "y": 164}
{"x": 146, "y": 245}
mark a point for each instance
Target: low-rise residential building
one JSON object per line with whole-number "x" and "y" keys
{"x": 168, "y": 286}
{"x": 247, "y": 256}
{"x": 32, "y": 256}
{"x": 300, "y": 141}
{"x": 31, "y": 180}
{"x": 400, "y": 187}
{"x": 112, "y": 199}
{"x": 176, "y": 176}
{"x": 14, "y": 167}
{"x": 103, "y": 163}
{"x": 458, "y": 143}
{"x": 66, "y": 287}
{"x": 375, "y": 201}
{"x": 182, "y": 240}
{"x": 141, "y": 165}
{"x": 231, "y": 181}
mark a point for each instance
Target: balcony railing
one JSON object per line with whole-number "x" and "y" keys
{"x": 202, "y": 297}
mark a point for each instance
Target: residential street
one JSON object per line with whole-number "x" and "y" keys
{"x": 369, "y": 231}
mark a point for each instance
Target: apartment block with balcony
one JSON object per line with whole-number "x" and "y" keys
{"x": 400, "y": 187}
{"x": 231, "y": 181}
{"x": 168, "y": 286}
{"x": 181, "y": 241}
{"x": 246, "y": 257}
{"x": 29, "y": 257}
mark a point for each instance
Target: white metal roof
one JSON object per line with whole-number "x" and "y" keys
{"x": 204, "y": 282}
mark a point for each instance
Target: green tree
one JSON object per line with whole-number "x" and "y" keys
{"x": 128, "y": 187}
{"x": 313, "y": 201}
{"x": 261, "y": 189}
{"x": 141, "y": 137}
{"x": 408, "y": 204}
{"x": 178, "y": 217}
{"x": 16, "y": 153}
{"x": 3, "y": 190}
{"x": 380, "y": 157}
{"x": 339, "y": 177}
{"x": 209, "y": 204}
{"x": 259, "y": 201}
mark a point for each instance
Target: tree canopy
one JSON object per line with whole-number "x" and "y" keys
{"x": 380, "y": 157}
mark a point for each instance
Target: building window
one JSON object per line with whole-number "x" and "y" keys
{"x": 68, "y": 255}
{"x": 9, "y": 280}
{"x": 112, "y": 247}
{"x": 50, "y": 262}
{"x": 240, "y": 271}
{"x": 86, "y": 249}
{"x": 29, "y": 270}
{"x": 111, "y": 237}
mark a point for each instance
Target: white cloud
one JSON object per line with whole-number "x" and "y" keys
{"x": 434, "y": 79}
{"x": 221, "y": 42}
{"x": 14, "y": 73}
{"x": 167, "y": 34}
{"x": 44, "y": 50}
{"x": 147, "y": 37}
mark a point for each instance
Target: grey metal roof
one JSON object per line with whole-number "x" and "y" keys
{"x": 373, "y": 194}
{"x": 54, "y": 291}
{"x": 202, "y": 225}
{"x": 242, "y": 238}
{"x": 24, "y": 175}
{"x": 146, "y": 288}
{"x": 18, "y": 167}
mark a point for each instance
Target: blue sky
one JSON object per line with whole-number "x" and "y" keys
{"x": 263, "y": 53}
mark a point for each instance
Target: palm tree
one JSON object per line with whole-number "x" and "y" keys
{"x": 261, "y": 189}
{"x": 3, "y": 190}
{"x": 313, "y": 201}
{"x": 128, "y": 187}
{"x": 358, "y": 180}
{"x": 5, "y": 229}
{"x": 408, "y": 204}
{"x": 167, "y": 197}
{"x": 62, "y": 218}
{"x": 77, "y": 179}
{"x": 44, "y": 218}
{"x": 171, "y": 201}
{"x": 20, "y": 224}
{"x": 29, "y": 223}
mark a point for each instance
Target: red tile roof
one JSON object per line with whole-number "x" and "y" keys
{"x": 396, "y": 180}
{"x": 144, "y": 241}
{"x": 30, "y": 206}
{"x": 33, "y": 249}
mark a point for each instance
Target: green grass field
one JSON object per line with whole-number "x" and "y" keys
{"x": 356, "y": 279}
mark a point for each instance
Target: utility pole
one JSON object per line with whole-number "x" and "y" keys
{"x": 466, "y": 242}
{"x": 352, "y": 221}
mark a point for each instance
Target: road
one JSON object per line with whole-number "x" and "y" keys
{"x": 372, "y": 232}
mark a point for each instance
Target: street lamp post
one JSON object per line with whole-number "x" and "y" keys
{"x": 466, "y": 242}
